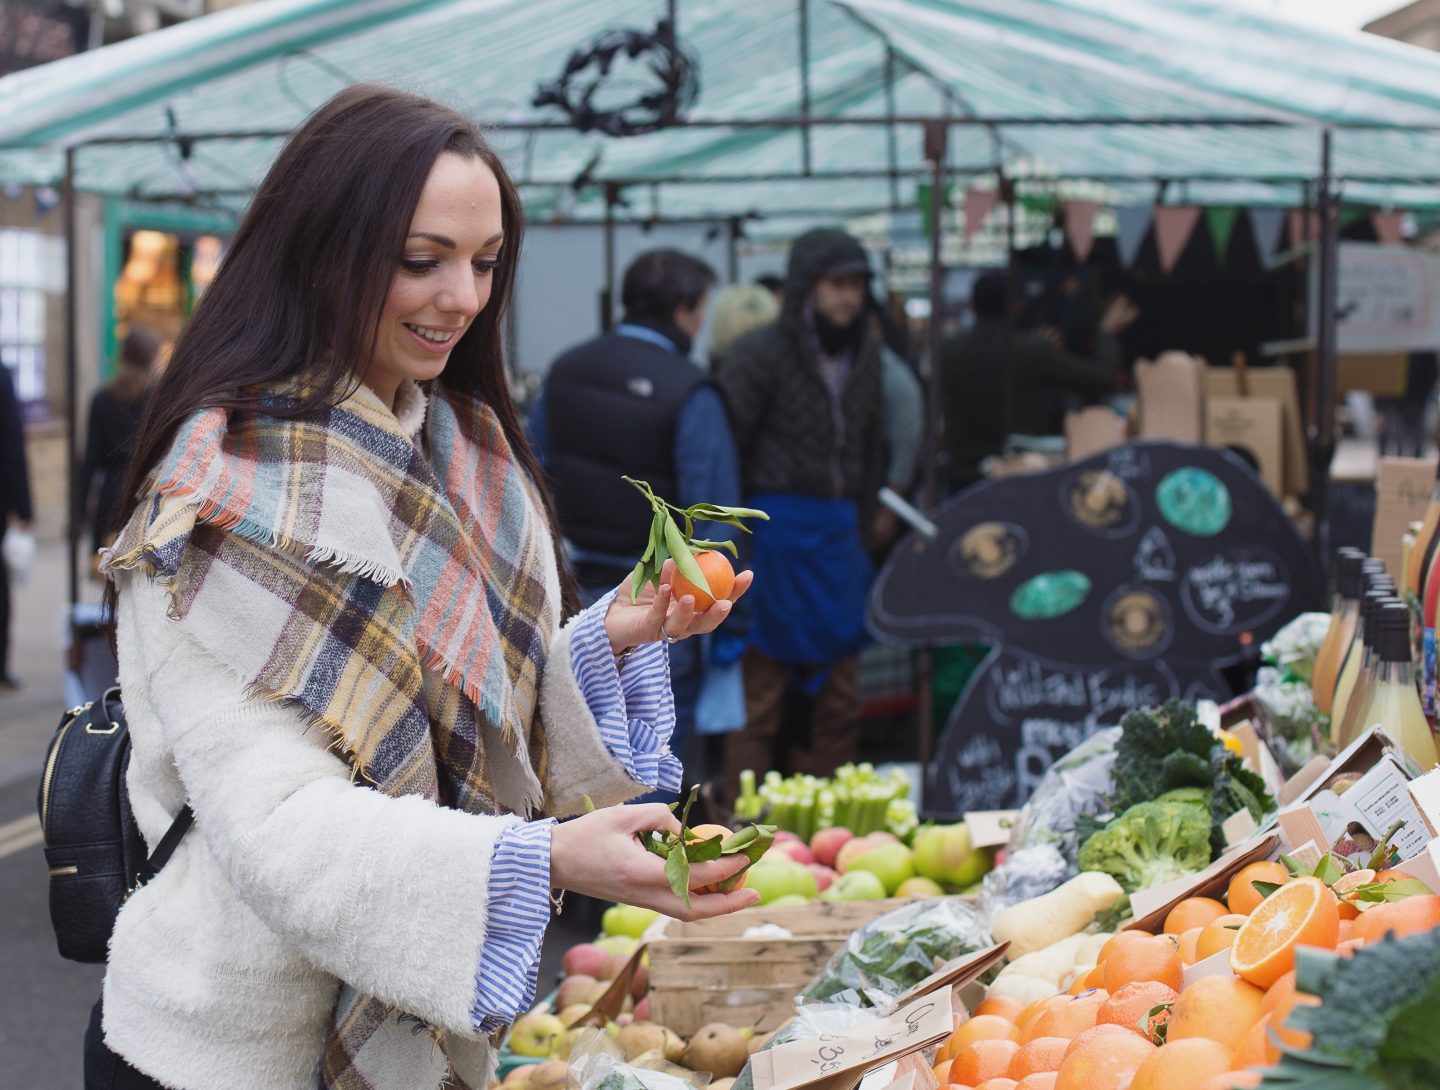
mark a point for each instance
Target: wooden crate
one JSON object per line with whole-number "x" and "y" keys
{"x": 706, "y": 972}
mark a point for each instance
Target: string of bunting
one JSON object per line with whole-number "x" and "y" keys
{"x": 673, "y": 71}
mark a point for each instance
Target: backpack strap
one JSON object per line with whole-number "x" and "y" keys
{"x": 168, "y": 843}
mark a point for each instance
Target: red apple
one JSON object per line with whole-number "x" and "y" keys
{"x": 824, "y": 876}
{"x": 853, "y": 850}
{"x": 782, "y": 835}
{"x": 826, "y": 844}
{"x": 586, "y": 959}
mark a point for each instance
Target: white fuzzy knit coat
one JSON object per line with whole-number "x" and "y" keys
{"x": 224, "y": 969}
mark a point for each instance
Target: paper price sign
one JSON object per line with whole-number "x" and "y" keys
{"x": 837, "y": 1061}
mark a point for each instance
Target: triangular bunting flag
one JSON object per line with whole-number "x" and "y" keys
{"x": 1388, "y": 227}
{"x": 1131, "y": 223}
{"x": 1266, "y": 225}
{"x": 1221, "y": 222}
{"x": 1350, "y": 215}
{"x": 1174, "y": 224}
{"x": 1304, "y": 227}
{"x": 1080, "y": 227}
{"x": 979, "y": 203}
{"x": 1040, "y": 203}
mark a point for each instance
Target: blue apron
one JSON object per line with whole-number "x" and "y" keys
{"x": 811, "y": 579}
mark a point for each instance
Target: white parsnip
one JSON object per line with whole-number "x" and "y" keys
{"x": 1034, "y": 924}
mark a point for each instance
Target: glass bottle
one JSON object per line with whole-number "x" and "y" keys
{"x": 1350, "y": 704}
{"x": 1395, "y": 705}
{"x": 1343, "y": 619}
{"x": 1422, "y": 554}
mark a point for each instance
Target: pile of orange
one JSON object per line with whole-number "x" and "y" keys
{"x": 1105, "y": 1033}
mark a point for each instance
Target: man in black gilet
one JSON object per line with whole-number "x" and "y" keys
{"x": 631, "y": 403}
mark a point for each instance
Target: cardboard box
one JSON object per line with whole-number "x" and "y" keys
{"x": 1171, "y": 393}
{"x": 1151, "y": 906}
{"x": 1277, "y": 383}
{"x": 1402, "y": 492}
{"x": 1252, "y": 424}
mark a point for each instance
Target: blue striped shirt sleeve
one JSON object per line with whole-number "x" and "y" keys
{"x": 633, "y": 706}
{"x": 635, "y": 710}
{"x": 519, "y": 910}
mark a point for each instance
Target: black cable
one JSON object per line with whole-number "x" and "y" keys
{"x": 672, "y": 88}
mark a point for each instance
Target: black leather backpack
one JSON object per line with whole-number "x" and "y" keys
{"x": 93, "y": 847}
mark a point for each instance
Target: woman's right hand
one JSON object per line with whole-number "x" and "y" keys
{"x": 598, "y": 855}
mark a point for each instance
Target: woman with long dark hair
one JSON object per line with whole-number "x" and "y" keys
{"x": 339, "y": 625}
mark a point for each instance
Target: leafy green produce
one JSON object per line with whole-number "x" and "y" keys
{"x": 1150, "y": 843}
{"x": 1195, "y": 796}
{"x": 667, "y": 541}
{"x": 857, "y": 797}
{"x": 900, "y": 949}
{"x": 1375, "y": 1026}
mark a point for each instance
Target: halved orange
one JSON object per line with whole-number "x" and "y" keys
{"x": 1342, "y": 886}
{"x": 1300, "y": 913}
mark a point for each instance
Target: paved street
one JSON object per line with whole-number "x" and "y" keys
{"x": 44, "y": 1000}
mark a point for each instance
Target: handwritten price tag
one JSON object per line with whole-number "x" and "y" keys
{"x": 838, "y": 1061}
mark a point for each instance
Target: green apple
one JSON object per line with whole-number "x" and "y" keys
{"x": 891, "y": 863}
{"x": 617, "y": 944}
{"x": 855, "y": 885}
{"x": 536, "y": 1034}
{"x": 919, "y": 887}
{"x": 627, "y": 920}
{"x": 774, "y": 879}
{"x": 944, "y": 854}
{"x": 790, "y": 900}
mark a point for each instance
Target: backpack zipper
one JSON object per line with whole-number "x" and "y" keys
{"x": 50, "y": 761}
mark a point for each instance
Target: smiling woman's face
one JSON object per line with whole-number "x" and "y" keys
{"x": 443, "y": 278}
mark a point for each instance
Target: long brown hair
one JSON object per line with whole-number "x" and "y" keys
{"x": 301, "y": 289}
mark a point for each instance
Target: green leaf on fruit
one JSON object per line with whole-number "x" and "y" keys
{"x": 1385, "y": 892}
{"x": 684, "y": 558}
{"x": 677, "y": 873}
{"x": 1265, "y": 888}
{"x": 1329, "y": 870}
{"x": 703, "y": 851}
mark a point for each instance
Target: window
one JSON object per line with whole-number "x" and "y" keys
{"x": 31, "y": 264}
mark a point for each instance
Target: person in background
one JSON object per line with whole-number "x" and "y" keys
{"x": 775, "y": 285}
{"x": 805, "y": 397}
{"x": 115, "y": 414}
{"x": 992, "y": 376}
{"x": 631, "y": 403}
{"x": 736, "y": 311}
{"x": 904, "y": 429}
{"x": 15, "y": 509}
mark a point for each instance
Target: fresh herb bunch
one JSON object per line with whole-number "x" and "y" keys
{"x": 680, "y": 849}
{"x": 668, "y": 541}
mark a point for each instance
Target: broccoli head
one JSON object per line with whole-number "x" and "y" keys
{"x": 1150, "y": 843}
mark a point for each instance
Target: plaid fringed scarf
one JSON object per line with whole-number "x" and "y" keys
{"x": 403, "y": 603}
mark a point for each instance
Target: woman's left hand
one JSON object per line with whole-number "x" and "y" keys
{"x": 655, "y": 615}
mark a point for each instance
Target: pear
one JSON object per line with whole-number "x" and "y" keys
{"x": 641, "y": 1037}
{"x": 719, "y": 1049}
{"x": 550, "y": 1075}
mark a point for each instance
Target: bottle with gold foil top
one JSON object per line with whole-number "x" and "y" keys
{"x": 1422, "y": 554}
{"x": 1395, "y": 705}
{"x": 1351, "y": 701}
{"x": 1343, "y": 618}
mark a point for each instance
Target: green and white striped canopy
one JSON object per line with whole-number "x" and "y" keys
{"x": 1043, "y": 70}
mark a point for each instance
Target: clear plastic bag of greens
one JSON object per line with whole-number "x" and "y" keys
{"x": 811, "y": 1020}
{"x": 1292, "y": 650}
{"x": 1026, "y": 873}
{"x": 896, "y": 951}
{"x": 1075, "y": 786}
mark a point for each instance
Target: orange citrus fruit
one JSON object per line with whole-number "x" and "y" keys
{"x": 1256, "y": 1049}
{"x": 1153, "y": 957}
{"x": 984, "y": 1059}
{"x": 1131, "y": 1005}
{"x": 1188, "y": 941}
{"x": 984, "y": 1027}
{"x": 1003, "y": 1006}
{"x": 1219, "y": 1008}
{"x": 1280, "y": 1000}
{"x": 1411, "y": 916}
{"x": 1345, "y": 884}
{"x": 1001, "y": 1083}
{"x": 1100, "y": 1029}
{"x": 1301, "y": 913}
{"x": 1193, "y": 912}
{"x": 1181, "y": 1064}
{"x": 1107, "y": 1063}
{"x": 1041, "y": 1054}
{"x": 718, "y": 573}
{"x": 1218, "y": 935}
{"x": 1035, "y": 1010}
{"x": 1069, "y": 1018}
{"x": 1116, "y": 941}
{"x": 1242, "y": 895}
{"x": 1040, "y": 1080}
{"x": 1233, "y": 1080}
{"x": 942, "y": 1072}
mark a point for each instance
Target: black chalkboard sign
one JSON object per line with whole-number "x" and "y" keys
{"x": 1104, "y": 585}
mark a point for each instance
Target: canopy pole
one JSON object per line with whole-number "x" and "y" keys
{"x": 892, "y": 149}
{"x": 1325, "y": 349}
{"x": 804, "y": 86}
{"x": 732, "y": 253}
{"x": 607, "y": 298}
{"x": 936, "y": 134}
{"x": 72, "y": 378}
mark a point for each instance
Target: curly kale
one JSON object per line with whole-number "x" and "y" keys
{"x": 1150, "y": 843}
{"x": 1235, "y": 788}
{"x": 1160, "y": 749}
